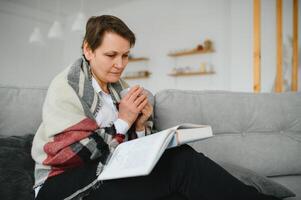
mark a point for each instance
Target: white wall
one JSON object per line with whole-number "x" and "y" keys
{"x": 160, "y": 27}
{"x": 23, "y": 64}
{"x": 241, "y": 73}
{"x": 268, "y": 44}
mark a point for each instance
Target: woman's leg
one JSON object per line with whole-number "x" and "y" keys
{"x": 185, "y": 171}
{"x": 180, "y": 170}
{"x": 204, "y": 178}
{"x": 64, "y": 185}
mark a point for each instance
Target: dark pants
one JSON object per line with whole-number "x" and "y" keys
{"x": 181, "y": 172}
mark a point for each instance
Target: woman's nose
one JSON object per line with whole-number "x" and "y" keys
{"x": 118, "y": 63}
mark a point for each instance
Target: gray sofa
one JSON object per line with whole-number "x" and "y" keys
{"x": 256, "y": 135}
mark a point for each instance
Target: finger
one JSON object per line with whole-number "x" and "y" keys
{"x": 142, "y": 104}
{"x": 145, "y": 92}
{"x": 146, "y": 108}
{"x": 140, "y": 99}
{"x": 149, "y": 107}
{"x": 147, "y": 111}
{"x": 131, "y": 91}
{"x": 135, "y": 94}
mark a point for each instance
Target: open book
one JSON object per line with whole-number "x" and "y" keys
{"x": 138, "y": 157}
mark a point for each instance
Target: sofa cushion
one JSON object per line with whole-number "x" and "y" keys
{"x": 293, "y": 182}
{"x": 11, "y": 157}
{"x": 16, "y": 184}
{"x": 20, "y": 142}
{"x": 261, "y": 132}
{"x": 261, "y": 183}
{"x": 15, "y": 152}
{"x": 16, "y": 168}
{"x": 21, "y": 110}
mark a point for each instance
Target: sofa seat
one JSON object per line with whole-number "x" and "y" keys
{"x": 261, "y": 132}
{"x": 292, "y": 182}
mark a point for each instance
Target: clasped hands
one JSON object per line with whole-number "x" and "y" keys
{"x": 135, "y": 108}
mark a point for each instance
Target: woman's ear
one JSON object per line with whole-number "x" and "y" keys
{"x": 87, "y": 51}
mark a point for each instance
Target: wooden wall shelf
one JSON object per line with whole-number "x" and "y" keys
{"x": 194, "y": 73}
{"x": 135, "y": 77}
{"x": 190, "y": 52}
{"x": 138, "y": 59}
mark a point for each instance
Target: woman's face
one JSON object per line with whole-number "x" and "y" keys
{"x": 109, "y": 59}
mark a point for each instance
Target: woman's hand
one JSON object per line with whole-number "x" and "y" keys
{"x": 132, "y": 104}
{"x": 143, "y": 117}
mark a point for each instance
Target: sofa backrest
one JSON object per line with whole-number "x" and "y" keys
{"x": 258, "y": 131}
{"x": 20, "y": 110}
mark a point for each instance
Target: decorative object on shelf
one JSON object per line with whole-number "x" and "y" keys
{"x": 200, "y": 47}
{"x": 137, "y": 74}
{"x": 182, "y": 69}
{"x": 207, "y": 47}
{"x": 203, "y": 67}
{"x": 188, "y": 71}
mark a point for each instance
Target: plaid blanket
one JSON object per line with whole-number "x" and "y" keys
{"x": 69, "y": 136}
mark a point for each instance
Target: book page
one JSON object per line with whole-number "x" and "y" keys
{"x": 136, "y": 157}
{"x": 186, "y": 133}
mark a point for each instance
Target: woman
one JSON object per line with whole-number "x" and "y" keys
{"x": 84, "y": 119}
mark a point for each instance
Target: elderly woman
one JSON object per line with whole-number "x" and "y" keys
{"x": 85, "y": 118}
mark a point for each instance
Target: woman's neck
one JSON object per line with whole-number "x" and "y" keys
{"x": 102, "y": 85}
